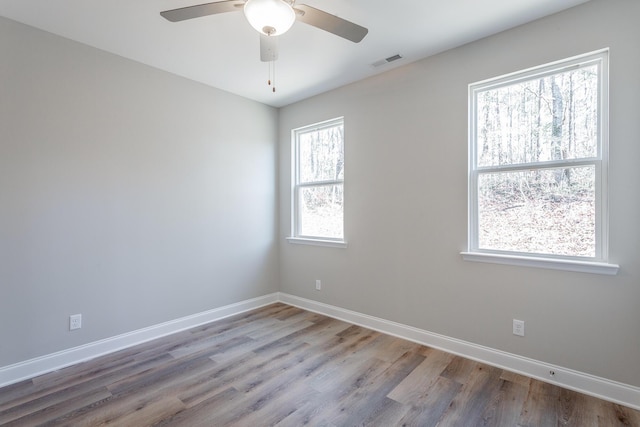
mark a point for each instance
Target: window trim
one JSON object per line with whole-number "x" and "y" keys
{"x": 295, "y": 236}
{"x": 598, "y": 264}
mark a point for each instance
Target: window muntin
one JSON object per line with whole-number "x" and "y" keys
{"x": 537, "y": 166}
{"x": 318, "y": 193}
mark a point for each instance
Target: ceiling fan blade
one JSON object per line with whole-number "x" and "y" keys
{"x": 331, "y": 23}
{"x": 268, "y": 48}
{"x": 190, "y": 12}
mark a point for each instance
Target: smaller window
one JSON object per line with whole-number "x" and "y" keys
{"x": 318, "y": 182}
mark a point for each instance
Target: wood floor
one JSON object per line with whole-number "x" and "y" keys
{"x": 283, "y": 366}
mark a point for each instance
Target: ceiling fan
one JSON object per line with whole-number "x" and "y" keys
{"x": 272, "y": 18}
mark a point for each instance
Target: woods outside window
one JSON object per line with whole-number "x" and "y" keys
{"x": 538, "y": 164}
{"x": 318, "y": 190}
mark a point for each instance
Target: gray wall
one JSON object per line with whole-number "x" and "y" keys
{"x": 129, "y": 195}
{"x": 406, "y": 204}
{"x": 135, "y": 197}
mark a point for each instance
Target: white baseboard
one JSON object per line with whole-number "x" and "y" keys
{"x": 602, "y": 388}
{"x": 52, "y": 362}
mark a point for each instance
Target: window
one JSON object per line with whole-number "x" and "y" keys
{"x": 538, "y": 167}
{"x": 318, "y": 190}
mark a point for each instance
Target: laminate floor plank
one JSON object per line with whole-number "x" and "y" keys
{"x": 114, "y": 363}
{"x": 541, "y": 406}
{"x": 427, "y": 408}
{"x": 417, "y": 384}
{"x": 336, "y": 391}
{"x": 616, "y": 415}
{"x": 391, "y": 348}
{"x": 293, "y": 312}
{"x": 505, "y": 406}
{"x": 270, "y": 408}
{"x": 160, "y": 376}
{"x": 316, "y": 333}
{"x": 365, "y": 400}
{"x": 261, "y": 316}
{"x": 460, "y": 369}
{"x": 142, "y": 397}
{"x": 203, "y": 342}
{"x": 306, "y": 415}
{"x": 122, "y": 411}
{"x": 516, "y": 378}
{"x": 283, "y": 366}
{"x": 43, "y": 410}
{"x": 149, "y": 413}
{"x": 386, "y": 412}
{"x": 245, "y": 369}
{"x": 305, "y": 364}
{"x": 279, "y": 331}
{"x": 467, "y": 407}
{"x": 83, "y": 382}
{"x": 213, "y": 411}
{"x": 349, "y": 374}
{"x": 13, "y": 392}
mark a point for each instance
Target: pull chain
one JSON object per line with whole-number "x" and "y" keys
{"x": 272, "y": 74}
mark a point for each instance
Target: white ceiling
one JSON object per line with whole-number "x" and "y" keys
{"x": 223, "y": 50}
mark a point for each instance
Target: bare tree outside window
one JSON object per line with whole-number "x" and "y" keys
{"x": 537, "y": 163}
{"x": 319, "y": 188}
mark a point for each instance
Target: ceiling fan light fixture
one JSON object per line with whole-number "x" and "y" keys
{"x": 269, "y": 17}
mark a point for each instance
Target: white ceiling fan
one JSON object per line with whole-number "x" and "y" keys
{"x": 272, "y": 18}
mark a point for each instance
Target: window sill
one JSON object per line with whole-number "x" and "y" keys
{"x": 549, "y": 263}
{"x": 317, "y": 242}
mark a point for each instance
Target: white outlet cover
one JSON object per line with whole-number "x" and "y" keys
{"x": 518, "y": 327}
{"x": 75, "y": 322}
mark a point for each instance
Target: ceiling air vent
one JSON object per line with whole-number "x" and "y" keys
{"x": 387, "y": 60}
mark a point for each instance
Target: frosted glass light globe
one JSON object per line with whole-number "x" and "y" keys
{"x": 269, "y": 17}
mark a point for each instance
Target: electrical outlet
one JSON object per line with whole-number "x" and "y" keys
{"x": 75, "y": 321}
{"x": 518, "y": 327}
{"x": 318, "y": 285}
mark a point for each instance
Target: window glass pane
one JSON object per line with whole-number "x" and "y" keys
{"x": 321, "y": 211}
{"x": 544, "y": 119}
{"x": 321, "y": 155}
{"x": 548, "y": 211}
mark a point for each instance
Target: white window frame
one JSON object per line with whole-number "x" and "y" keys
{"x": 296, "y": 237}
{"x": 599, "y": 263}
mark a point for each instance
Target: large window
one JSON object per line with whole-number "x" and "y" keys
{"x": 318, "y": 191}
{"x": 538, "y": 165}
